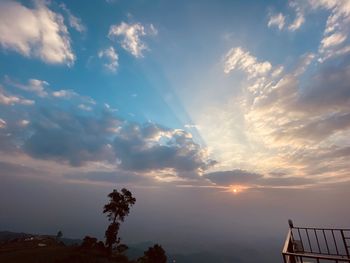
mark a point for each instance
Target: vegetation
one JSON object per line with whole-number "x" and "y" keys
{"x": 117, "y": 209}
{"x": 51, "y": 249}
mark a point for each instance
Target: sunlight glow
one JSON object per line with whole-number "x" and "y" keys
{"x": 235, "y": 189}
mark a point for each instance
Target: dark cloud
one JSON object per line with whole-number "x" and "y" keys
{"x": 66, "y": 136}
{"x": 321, "y": 129}
{"x": 151, "y": 147}
{"x": 232, "y": 177}
{"x": 10, "y": 169}
{"x": 329, "y": 89}
{"x": 285, "y": 181}
{"x": 317, "y": 129}
{"x": 242, "y": 177}
{"x": 12, "y": 132}
{"x": 339, "y": 152}
{"x": 110, "y": 177}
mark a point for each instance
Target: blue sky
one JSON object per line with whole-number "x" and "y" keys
{"x": 219, "y": 95}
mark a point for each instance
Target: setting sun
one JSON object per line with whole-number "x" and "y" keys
{"x": 235, "y": 189}
{"x": 225, "y": 120}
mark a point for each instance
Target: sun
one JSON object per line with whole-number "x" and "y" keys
{"x": 236, "y": 189}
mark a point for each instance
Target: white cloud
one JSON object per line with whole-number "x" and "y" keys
{"x": 280, "y": 20}
{"x": 74, "y": 22}
{"x": 152, "y": 30}
{"x": 335, "y": 40}
{"x": 68, "y": 94}
{"x": 336, "y": 32}
{"x": 37, "y": 32}
{"x": 112, "y": 58}
{"x": 109, "y": 108}
{"x": 332, "y": 40}
{"x": 2, "y": 123}
{"x": 23, "y": 123}
{"x": 131, "y": 35}
{"x": 299, "y": 16}
{"x": 277, "y": 20}
{"x": 85, "y": 107}
{"x": 7, "y": 99}
{"x": 63, "y": 93}
{"x": 293, "y": 118}
{"x": 238, "y": 58}
{"x": 34, "y": 85}
{"x": 297, "y": 23}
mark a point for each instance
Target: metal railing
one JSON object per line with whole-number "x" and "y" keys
{"x": 309, "y": 244}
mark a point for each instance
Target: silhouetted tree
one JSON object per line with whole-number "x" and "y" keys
{"x": 59, "y": 235}
{"x": 111, "y": 234}
{"x": 117, "y": 209}
{"x": 155, "y": 254}
{"x": 89, "y": 242}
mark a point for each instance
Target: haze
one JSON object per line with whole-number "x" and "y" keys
{"x": 223, "y": 118}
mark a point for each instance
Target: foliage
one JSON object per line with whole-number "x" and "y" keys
{"x": 89, "y": 242}
{"x": 155, "y": 254}
{"x": 119, "y": 205}
{"x": 111, "y": 234}
{"x": 59, "y": 234}
{"x": 117, "y": 209}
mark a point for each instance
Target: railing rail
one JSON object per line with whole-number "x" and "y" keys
{"x": 331, "y": 244}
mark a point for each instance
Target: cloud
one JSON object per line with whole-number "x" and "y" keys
{"x": 7, "y": 99}
{"x": 327, "y": 90}
{"x": 67, "y": 94}
{"x": 335, "y": 39}
{"x": 238, "y": 58}
{"x": 111, "y": 56}
{"x": 332, "y": 40}
{"x": 37, "y": 32}
{"x": 84, "y": 107}
{"x": 78, "y": 139}
{"x": 42, "y": 90}
{"x": 23, "y": 123}
{"x": 2, "y": 123}
{"x": 280, "y": 20}
{"x": 130, "y": 35}
{"x": 277, "y": 20}
{"x": 292, "y": 181}
{"x": 34, "y": 85}
{"x": 297, "y": 120}
{"x": 14, "y": 170}
{"x": 65, "y": 136}
{"x": 152, "y": 147}
{"x": 299, "y": 16}
{"x": 255, "y": 180}
{"x": 232, "y": 177}
{"x": 152, "y": 30}
{"x": 74, "y": 22}
{"x": 116, "y": 177}
{"x": 318, "y": 129}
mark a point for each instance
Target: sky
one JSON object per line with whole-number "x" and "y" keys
{"x": 224, "y": 118}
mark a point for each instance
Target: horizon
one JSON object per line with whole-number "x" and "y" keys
{"x": 223, "y": 118}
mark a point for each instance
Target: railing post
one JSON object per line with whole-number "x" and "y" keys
{"x": 344, "y": 241}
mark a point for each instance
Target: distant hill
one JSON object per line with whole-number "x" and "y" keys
{"x": 6, "y": 236}
{"x": 234, "y": 253}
